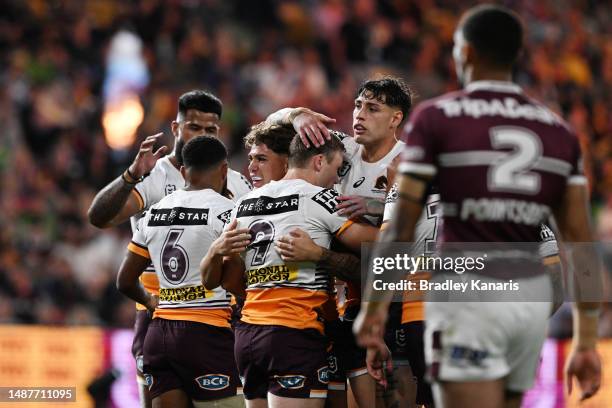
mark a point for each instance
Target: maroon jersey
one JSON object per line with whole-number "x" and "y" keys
{"x": 501, "y": 161}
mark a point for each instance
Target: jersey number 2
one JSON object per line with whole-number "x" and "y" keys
{"x": 262, "y": 236}
{"x": 511, "y": 173}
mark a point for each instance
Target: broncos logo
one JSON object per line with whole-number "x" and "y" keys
{"x": 392, "y": 195}
{"x": 381, "y": 183}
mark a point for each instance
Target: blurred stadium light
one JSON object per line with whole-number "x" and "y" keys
{"x": 126, "y": 77}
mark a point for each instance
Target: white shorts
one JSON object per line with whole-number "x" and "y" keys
{"x": 480, "y": 341}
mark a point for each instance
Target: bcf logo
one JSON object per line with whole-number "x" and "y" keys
{"x": 213, "y": 382}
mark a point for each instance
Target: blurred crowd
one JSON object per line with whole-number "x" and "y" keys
{"x": 257, "y": 56}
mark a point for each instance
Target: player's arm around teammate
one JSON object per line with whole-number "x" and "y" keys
{"x": 298, "y": 246}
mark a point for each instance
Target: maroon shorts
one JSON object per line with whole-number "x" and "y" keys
{"x": 195, "y": 357}
{"x": 337, "y": 372}
{"x": 352, "y": 356}
{"x": 283, "y": 361}
{"x": 141, "y": 324}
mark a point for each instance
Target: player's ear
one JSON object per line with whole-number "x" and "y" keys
{"x": 183, "y": 171}
{"x": 397, "y": 118}
{"x": 318, "y": 162}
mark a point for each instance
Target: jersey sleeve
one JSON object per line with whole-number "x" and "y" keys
{"x": 238, "y": 184}
{"x": 323, "y": 212}
{"x": 350, "y": 145}
{"x": 150, "y": 190}
{"x": 232, "y": 215}
{"x": 549, "y": 249}
{"x": 390, "y": 203}
{"x": 419, "y": 154}
{"x": 222, "y": 218}
{"x": 138, "y": 244}
{"x": 351, "y": 148}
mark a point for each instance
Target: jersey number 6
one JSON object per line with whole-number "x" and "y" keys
{"x": 174, "y": 259}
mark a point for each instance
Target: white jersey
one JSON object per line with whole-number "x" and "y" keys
{"x": 358, "y": 177}
{"x": 279, "y": 293}
{"x": 177, "y": 233}
{"x": 164, "y": 180}
{"x": 274, "y": 210}
{"x": 427, "y": 226}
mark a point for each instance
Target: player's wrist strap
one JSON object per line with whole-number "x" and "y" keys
{"x": 129, "y": 178}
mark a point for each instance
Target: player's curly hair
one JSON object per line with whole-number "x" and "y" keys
{"x": 276, "y": 137}
{"x": 391, "y": 91}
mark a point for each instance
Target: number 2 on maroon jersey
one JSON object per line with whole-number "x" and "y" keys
{"x": 174, "y": 259}
{"x": 510, "y": 173}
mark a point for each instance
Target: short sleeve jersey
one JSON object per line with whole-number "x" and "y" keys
{"x": 427, "y": 226}
{"x": 500, "y": 159}
{"x": 358, "y": 177}
{"x": 164, "y": 180}
{"x": 280, "y": 293}
{"x": 176, "y": 234}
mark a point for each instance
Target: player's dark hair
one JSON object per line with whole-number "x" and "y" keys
{"x": 276, "y": 137}
{"x": 203, "y": 153}
{"x": 495, "y": 32}
{"x": 300, "y": 154}
{"x": 389, "y": 90}
{"x": 200, "y": 100}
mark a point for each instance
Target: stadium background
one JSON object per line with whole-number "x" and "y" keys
{"x": 81, "y": 83}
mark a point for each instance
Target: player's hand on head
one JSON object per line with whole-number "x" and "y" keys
{"x": 379, "y": 363}
{"x": 232, "y": 240}
{"x": 312, "y": 127}
{"x": 298, "y": 247}
{"x": 146, "y": 158}
{"x": 585, "y": 366}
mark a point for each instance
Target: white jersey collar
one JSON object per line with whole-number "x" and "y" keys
{"x": 496, "y": 86}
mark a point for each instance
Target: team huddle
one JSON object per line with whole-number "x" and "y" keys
{"x": 250, "y": 294}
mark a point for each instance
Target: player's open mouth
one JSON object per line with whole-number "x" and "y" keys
{"x": 257, "y": 180}
{"x": 359, "y": 129}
